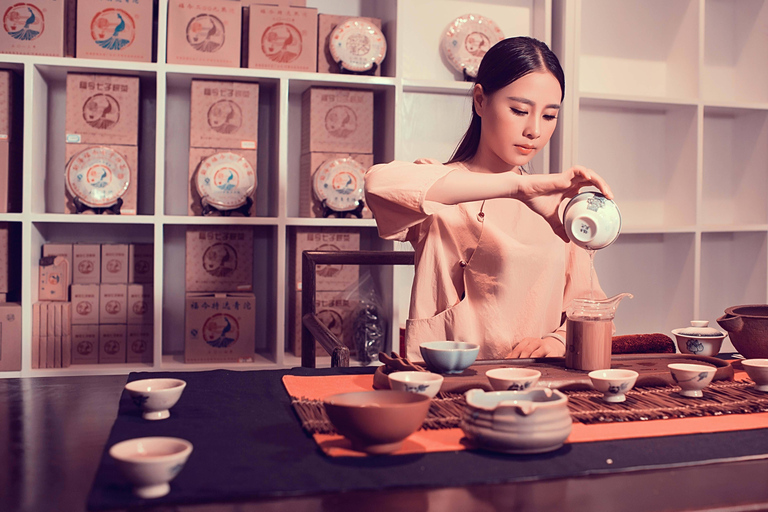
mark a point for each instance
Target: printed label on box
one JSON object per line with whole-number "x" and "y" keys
{"x": 141, "y": 263}
{"x": 113, "y": 302}
{"x": 219, "y": 328}
{"x": 336, "y": 120}
{"x": 140, "y": 310}
{"x": 224, "y": 114}
{"x": 10, "y": 337}
{"x": 86, "y": 266}
{"x": 103, "y": 109}
{"x": 204, "y": 32}
{"x": 54, "y": 278}
{"x": 85, "y": 344}
{"x": 139, "y": 343}
{"x": 282, "y": 37}
{"x": 112, "y": 344}
{"x": 112, "y": 30}
{"x": 114, "y": 263}
{"x": 85, "y": 304}
{"x": 33, "y": 27}
{"x": 219, "y": 259}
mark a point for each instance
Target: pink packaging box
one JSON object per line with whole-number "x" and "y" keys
{"x": 224, "y": 114}
{"x": 196, "y": 158}
{"x": 78, "y": 156}
{"x": 10, "y": 337}
{"x": 336, "y": 121}
{"x": 6, "y": 104}
{"x": 325, "y": 25}
{"x": 112, "y": 30}
{"x": 204, "y": 32}
{"x": 219, "y": 259}
{"x": 85, "y": 344}
{"x": 219, "y": 328}
{"x": 64, "y": 250}
{"x": 113, "y": 302}
{"x": 36, "y": 335}
{"x": 114, "y": 263}
{"x": 140, "y": 310}
{"x": 85, "y": 304}
{"x": 66, "y": 334}
{"x": 33, "y": 27}
{"x": 102, "y": 109}
{"x": 138, "y": 343}
{"x": 57, "y": 334}
{"x": 50, "y": 359}
{"x": 86, "y": 263}
{"x": 309, "y": 205}
{"x": 282, "y": 37}
{"x": 112, "y": 344}
{"x": 4, "y": 257}
{"x": 53, "y": 278}
{"x": 141, "y": 263}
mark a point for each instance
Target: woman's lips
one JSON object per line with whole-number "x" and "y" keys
{"x": 526, "y": 150}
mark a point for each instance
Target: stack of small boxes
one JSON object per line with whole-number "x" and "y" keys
{"x": 103, "y": 111}
{"x": 220, "y": 313}
{"x": 112, "y": 312}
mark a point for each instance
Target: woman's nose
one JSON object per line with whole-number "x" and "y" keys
{"x": 532, "y": 130}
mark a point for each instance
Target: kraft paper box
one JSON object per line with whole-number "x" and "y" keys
{"x": 224, "y": 114}
{"x": 10, "y": 337}
{"x": 328, "y": 277}
{"x": 66, "y": 334}
{"x": 141, "y": 263}
{"x": 64, "y": 250}
{"x": 54, "y": 278}
{"x": 85, "y": 304}
{"x": 282, "y": 37}
{"x": 50, "y": 360}
{"x": 36, "y": 335}
{"x": 57, "y": 334}
{"x": 138, "y": 343}
{"x": 4, "y": 247}
{"x": 204, "y": 32}
{"x": 114, "y": 263}
{"x": 326, "y": 23}
{"x": 219, "y": 328}
{"x": 113, "y": 302}
{"x": 78, "y": 155}
{"x": 112, "y": 344}
{"x": 85, "y": 344}
{"x": 309, "y": 205}
{"x": 44, "y": 334}
{"x": 219, "y": 259}
{"x": 336, "y": 313}
{"x": 196, "y": 157}
{"x": 336, "y": 120}
{"x": 140, "y": 310}
{"x": 102, "y": 109}
{"x": 6, "y": 104}
{"x": 114, "y": 30}
{"x": 33, "y": 27}
{"x": 86, "y": 263}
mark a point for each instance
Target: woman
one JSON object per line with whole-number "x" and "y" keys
{"x": 493, "y": 262}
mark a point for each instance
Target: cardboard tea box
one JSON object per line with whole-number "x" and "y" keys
{"x": 88, "y": 166}
{"x": 282, "y": 37}
{"x": 102, "y": 109}
{"x": 115, "y": 30}
{"x": 36, "y": 335}
{"x": 204, "y": 32}
{"x": 10, "y": 337}
{"x": 112, "y": 344}
{"x": 10, "y": 149}
{"x": 336, "y": 120}
{"x": 86, "y": 263}
{"x": 219, "y": 259}
{"x": 50, "y": 341}
{"x": 141, "y": 263}
{"x": 325, "y": 25}
{"x": 197, "y": 160}
{"x": 34, "y": 27}
{"x": 4, "y": 247}
{"x": 219, "y": 328}
{"x": 85, "y": 344}
{"x": 113, "y": 301}
{"x": 309, "y": 163}
{"x": 138, "y": 343}
{"x": 53, "y": 278}
{"x": 224, "y": 114}
{"x": 140, "y": 300}
{"x": 57, "y": 322}
{"x": 85, "y": 304}
{"x": 66, "y": 334}
{"x": 63, "y": 250}
{"x": 114, "y": 263}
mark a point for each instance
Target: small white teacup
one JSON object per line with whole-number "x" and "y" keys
{"x": 757, "y": 369}
{"x": 613, "y": 383}
{"x": 513, "y": 379}
{"x": 149, "y": 463}
{"x": 155, "y": 396}
{"x": 424, "y": 383}
{"x": 692, "y": 378}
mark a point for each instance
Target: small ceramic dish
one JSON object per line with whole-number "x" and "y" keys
{"x": 692, "y": 378}
{"x": 448, "y": 356}
{"x": 149, "y": 463}
{"x": 757, "y": 369}
{"x": 512, "y": 379}
{"x": 155, "y": 396}
{"x": 613, "y": 383}
{"x": 426, "y": 383}
{"x": 699, "y": 339}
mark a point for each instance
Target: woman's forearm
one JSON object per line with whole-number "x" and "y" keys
{"x": 462, "y": 186}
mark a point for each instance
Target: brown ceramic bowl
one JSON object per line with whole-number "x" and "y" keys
{"x": 377, "y": 422}
{"x": 747, "y": 327}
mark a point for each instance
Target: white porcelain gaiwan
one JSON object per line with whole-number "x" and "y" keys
{"x": 149, "y": 463}
{"x": 533, "y": 421}
{"x": 699, "y": 339}
{"x": 424, "y": 383}
{"x": 591, "y": 220}
{"x": 155, "y": 396}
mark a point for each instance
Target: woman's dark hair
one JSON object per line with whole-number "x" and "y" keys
{"x": 505, "y": 62}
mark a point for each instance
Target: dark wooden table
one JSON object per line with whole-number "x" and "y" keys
{"x": 53, "y": 431}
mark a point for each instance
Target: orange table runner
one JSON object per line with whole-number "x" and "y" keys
{"x": 425, "y": 441}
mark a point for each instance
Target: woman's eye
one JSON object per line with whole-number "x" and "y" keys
{"x": 519, "y": 112}
{"x": 550, "y": 117}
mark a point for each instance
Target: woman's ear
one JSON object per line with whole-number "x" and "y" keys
{"x": 478, "y": 98}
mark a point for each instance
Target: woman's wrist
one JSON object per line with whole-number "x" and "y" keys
{"x": 559, "y": 337}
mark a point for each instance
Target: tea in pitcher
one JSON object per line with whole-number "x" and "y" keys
{"x": 588, "y": 344}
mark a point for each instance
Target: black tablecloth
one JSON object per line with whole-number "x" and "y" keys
{"x": 248, "y": 443}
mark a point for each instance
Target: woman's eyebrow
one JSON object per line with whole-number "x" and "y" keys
{"x": 526, "y": 101}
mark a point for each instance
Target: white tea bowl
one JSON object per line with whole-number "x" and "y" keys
{"x": 448, "y": 356}
{"x": 692, "y": 378}
{"x": 757, "y": 369}
{"x": 424, "y": 383}
{"x": 155, "y": 396}
{"x": 513, "y": 379}
{"x": 149, "y": 463}
{"x": 699, "y": 339}
{"x": 591, "y": 220}
{"x": 613, "y": 383}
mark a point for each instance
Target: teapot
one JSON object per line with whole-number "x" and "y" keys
{"x": 591, "y": 220}
{"x": 589, "y": 332}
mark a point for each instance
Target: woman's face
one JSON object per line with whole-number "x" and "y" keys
{"x": 518, "y": 120}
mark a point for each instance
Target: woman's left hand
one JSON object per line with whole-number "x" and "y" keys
{"x": 537, "y": 347}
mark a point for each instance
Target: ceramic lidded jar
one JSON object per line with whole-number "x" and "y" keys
{"x": 699, "y": 339}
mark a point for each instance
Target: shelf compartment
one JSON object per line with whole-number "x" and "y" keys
{"x": 735, "y": 38}
{"x": 647, "y": 152}
{"x": 639, "y": 47}
{"x": 658, "y": 269}
{"x": 735, "y": 182}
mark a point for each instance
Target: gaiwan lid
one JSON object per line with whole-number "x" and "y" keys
{"x": 699, "y": 328}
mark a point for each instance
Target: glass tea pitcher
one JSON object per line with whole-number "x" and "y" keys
{"x": 589, "y": 332}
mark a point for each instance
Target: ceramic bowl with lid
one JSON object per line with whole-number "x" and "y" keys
{"x": 699, "y": 339}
